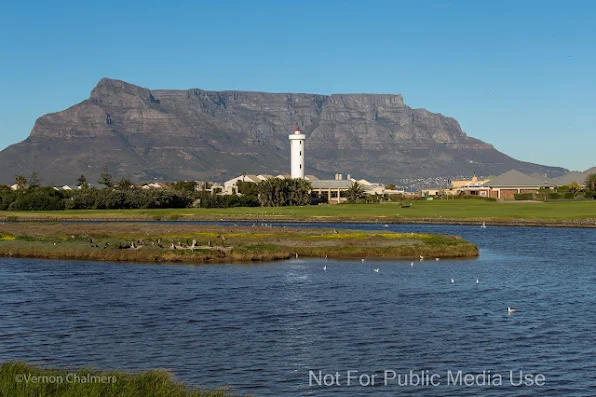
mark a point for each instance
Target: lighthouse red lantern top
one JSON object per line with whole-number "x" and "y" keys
{"x": 297, "y": 131}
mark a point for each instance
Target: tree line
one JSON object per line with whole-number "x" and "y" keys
{"x": 125, "y": 194}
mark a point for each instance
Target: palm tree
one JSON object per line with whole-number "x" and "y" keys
{"x": 354, "y": 192}
{"x": 591, "y": 182}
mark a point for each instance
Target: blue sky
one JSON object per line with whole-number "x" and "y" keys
{"x": 536, "y": 58}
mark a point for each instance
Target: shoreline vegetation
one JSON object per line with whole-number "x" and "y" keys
{"x": 458, "y": 212}
{"x": 191, "y": 243}
{"x": 19, "y": 379}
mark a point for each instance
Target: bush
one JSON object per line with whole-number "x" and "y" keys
{"x": 554, "y": 196}
{"x": 523, "y": 196}
{"x": 568, "y": 196}
{"x": 589, "y": 195}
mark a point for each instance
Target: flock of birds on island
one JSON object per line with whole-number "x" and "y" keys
{"x": 140, "y": 243}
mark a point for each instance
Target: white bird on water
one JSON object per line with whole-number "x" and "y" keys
{"x": 296, "y": 255}
{"x": 436, "y": 259}
{"x": 477, "y": 281}
{"x": 362, "y": 259}
{"x": 325, "y": 268}
{"x": 412, "y": 264}
{"x": 376, "y": 270}
{"x": 510, "y": 310}
{"x": 452, "y": 281}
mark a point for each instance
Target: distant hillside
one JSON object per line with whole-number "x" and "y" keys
{"x": 208, "y": 135}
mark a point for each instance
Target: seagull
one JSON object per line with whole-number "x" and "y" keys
{"x": 452, "y": 281}
{"x": 362, "y": 259}
{"x": 376, "y": 270}
{"x": 412, "y": 264}
{"x": 325, "y": 257}
{"x": 477, "y": 281}
{"x": 325, "y": 268}
{"x": 421, "y": 257}
{"x": 296, "y": 255}
{"x": 483, "y": 225}
{"x": 510, "y": 310}
{"x": 436, "y": 259}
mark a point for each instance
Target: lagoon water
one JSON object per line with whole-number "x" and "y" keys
{"x": 261, "y": 328}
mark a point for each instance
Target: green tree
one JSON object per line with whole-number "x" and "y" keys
{"x": 590, "y": 182}
{"x": 21, "y": 181}
{"x": 391, "y": 186}
{"x": 106, "y": 178}
{"x": 82, "y": 180}
{"x": 184, "y": 186}
{"x": 125, "y": 184}
{"x": 355, "y": 192}
{"x": 34, "y": 181}
{"x": 248, "y": 188}
{"x": 275, "y": 192}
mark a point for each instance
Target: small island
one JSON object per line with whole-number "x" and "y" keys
{"x": 191, "y": 243}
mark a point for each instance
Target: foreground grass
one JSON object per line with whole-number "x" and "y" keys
{"x": 443, "y": 211}
{"x": 22, "y": 380}
{"x": 144, "y": 242}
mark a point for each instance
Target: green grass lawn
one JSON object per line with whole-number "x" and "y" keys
{"x": 455, "y": 209}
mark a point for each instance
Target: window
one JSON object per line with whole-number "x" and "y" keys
{"x": 301, "y": 152}
{"x": 300, "y": 166}
{"x": 301, "y": 142}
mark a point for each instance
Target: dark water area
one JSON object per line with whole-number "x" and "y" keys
{"x": 261, "y": 328}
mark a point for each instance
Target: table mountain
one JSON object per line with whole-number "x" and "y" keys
{"x": 212, "y": 135}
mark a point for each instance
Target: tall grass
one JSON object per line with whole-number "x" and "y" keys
{"x": 18, "y": 379}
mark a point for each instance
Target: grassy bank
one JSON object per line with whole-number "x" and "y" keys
{"x": 178, "y": 242}
{"x": 438, "y": 211}
{"x": 23, "y": 380}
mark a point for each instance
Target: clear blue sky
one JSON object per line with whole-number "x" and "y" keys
{"x": 537, "y": 58}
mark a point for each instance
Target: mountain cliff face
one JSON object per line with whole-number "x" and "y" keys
{"x": 208, "y": 135}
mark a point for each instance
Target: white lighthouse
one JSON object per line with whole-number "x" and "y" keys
{"x": 297, "y": 153}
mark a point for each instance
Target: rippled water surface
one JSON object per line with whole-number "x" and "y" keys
{"x": 261, "y": 328}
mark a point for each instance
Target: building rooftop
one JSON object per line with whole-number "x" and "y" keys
{"x": 573, "y": 176}
{"x": 514, "y": 178}
{"x": 331, "y": 184}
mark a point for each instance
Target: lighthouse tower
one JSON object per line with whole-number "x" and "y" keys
{"x": 297, "y": 153}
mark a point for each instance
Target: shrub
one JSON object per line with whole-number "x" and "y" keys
{"x": 523, "y": 196}
{"x": 589, "y": 195}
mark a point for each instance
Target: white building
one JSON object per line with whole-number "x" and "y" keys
{"x": 297, "y": 153}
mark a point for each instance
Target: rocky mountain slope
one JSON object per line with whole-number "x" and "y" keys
{"x": 207, "y": 135}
